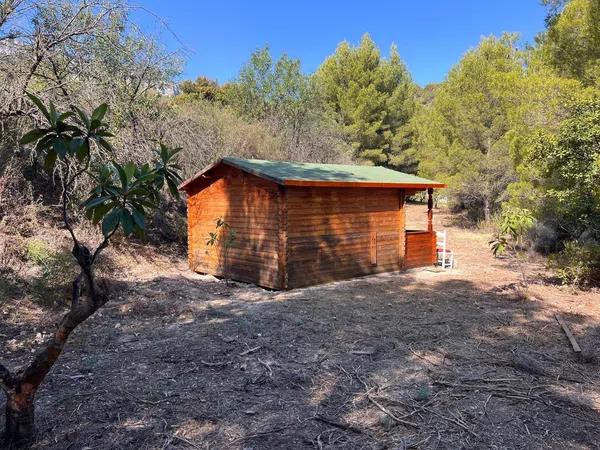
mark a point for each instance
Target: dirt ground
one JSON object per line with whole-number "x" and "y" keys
{"x": 421, "y": 359}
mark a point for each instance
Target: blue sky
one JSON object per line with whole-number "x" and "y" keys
{"x": 431, "y": 35}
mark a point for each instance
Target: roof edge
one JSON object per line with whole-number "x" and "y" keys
{"x": 365, "y": 184}
{"x": 184, "y": 185}
{"x": 308, "y": 183}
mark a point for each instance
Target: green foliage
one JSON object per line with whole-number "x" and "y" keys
{"x": 512, "y": 228}
{"x": 123, "y": 194}
{"x": 372, "y": 98}
{"x": 201, "y": 88}
{"x": 223, "y": 234}
{"x": 265, "y": 88}
{"x": 37, "y": 252}
{"x": 572, "y": 41}
{"x": 509, "y": 239}
{"x": 577, "y": 264}
{"x": 64, "y": 138}
{"x": 51, "y": 285}
{"x": 462, "y": 137}
{"x": 568, "y": 165}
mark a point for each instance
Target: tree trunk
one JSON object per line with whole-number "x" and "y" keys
{"x": 21, "y": 388}
{"x": 487, "y": 210}
{"x": 20, "y": 425}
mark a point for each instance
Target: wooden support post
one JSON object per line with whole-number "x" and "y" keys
{"x": 430, "y": 226}
{"x": 430, "y": 210}
{"x": 401, "y": 230}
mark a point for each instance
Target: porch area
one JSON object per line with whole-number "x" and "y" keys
{"x": 420, "y": 243}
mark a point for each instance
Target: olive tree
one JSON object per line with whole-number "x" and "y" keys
{"x": 77, "y": 146}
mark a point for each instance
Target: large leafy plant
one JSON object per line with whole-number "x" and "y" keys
{"x": 76, "y": 146}
{"x": 510, "y": 236}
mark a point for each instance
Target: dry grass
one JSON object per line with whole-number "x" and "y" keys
{"x": 421, "y": 359}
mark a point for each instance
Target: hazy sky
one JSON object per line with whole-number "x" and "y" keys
{"x": 431, "y": 35}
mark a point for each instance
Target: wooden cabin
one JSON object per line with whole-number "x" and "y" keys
{"x": 299, "y": 224}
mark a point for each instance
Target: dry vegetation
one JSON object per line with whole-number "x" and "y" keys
{"x": 421, "y": 359}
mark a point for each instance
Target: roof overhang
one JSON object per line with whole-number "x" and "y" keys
{"x": 185, "y": 185}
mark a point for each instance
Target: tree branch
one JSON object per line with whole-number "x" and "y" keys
{"x": 80, "y": 311}
{"x": 64, "y": 201}
{"x": 103, "y": 245}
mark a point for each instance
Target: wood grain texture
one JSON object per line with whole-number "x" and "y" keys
{"x": 294, "y": 236}
{"x": 251, "y": 207}
{"x": 420, "y": 249}
{"x": 339, "y": 233}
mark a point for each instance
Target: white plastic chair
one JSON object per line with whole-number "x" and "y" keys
{"x": 445, "y": 256}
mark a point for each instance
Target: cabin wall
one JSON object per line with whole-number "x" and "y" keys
{"x": 251, "y": 206}
{"x": 339, "y": 233}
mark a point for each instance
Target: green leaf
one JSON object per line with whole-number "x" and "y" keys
{"x": 99, "y": 112}
{"x": 139, "y": 219}
{"x": 127, "y": 222}
{"x": 122, "y": 174}
{"x": 53, "y": 114}
{"x": 83, "y": 150}
{"x": 64, "y": 116}
{"x": 83, "y": 117}
{"x": 104, "y": 143}
{"x": 111, "y": 221}
{"x": 100, "y": 211}
{"x": 96, "y": 201}
{"x": 33, "y": 135}
{"x": 50, "y": 160}
{"x": 172, "y": 188}
{"x": 60, "y": 146}
{"x": 129, "y": 169}
{"x": 40, "y": 106}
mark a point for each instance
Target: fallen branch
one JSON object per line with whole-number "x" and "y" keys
{"x": 216, "y": 363}
{"x": 179, "y": 438}
{"x": 422, "y": 357}
{"x": 389, "y": 413}
{"x": 250, "y": 350}
{"x": 563, "y": 324}
{"x": 149, "y": 402}
{"x": 450, "y": 419}
{"x": 336, "y": 424}
{"x": 259, "y": 434}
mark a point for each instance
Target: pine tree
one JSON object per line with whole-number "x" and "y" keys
{"x": 371, "y": 97}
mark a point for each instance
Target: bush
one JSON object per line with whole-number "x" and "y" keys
{"x": 544, "y": 238}
{"x": 55, "y": 267}
{"x": 577, "y": 264}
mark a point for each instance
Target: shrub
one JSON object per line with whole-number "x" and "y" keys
{"x": 577, "y": 264}
{"x": 514, "y": 224}
{"x": 544, "y": 238}
{"x": 56, "y": 266}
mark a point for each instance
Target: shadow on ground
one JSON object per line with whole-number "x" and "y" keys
{"x": 391, "y": 361}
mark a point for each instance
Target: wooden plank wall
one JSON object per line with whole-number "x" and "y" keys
{"x": 339, "y": 233}
{"x": 420, "y": 249}
{"x": 251, "y": 206}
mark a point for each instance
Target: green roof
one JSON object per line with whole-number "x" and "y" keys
{"x": 311, "y": 174}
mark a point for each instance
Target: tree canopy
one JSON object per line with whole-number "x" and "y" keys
{"x": 371, "y": 97}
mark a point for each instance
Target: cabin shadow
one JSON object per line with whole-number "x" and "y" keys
{"x": 192, "y": 362}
